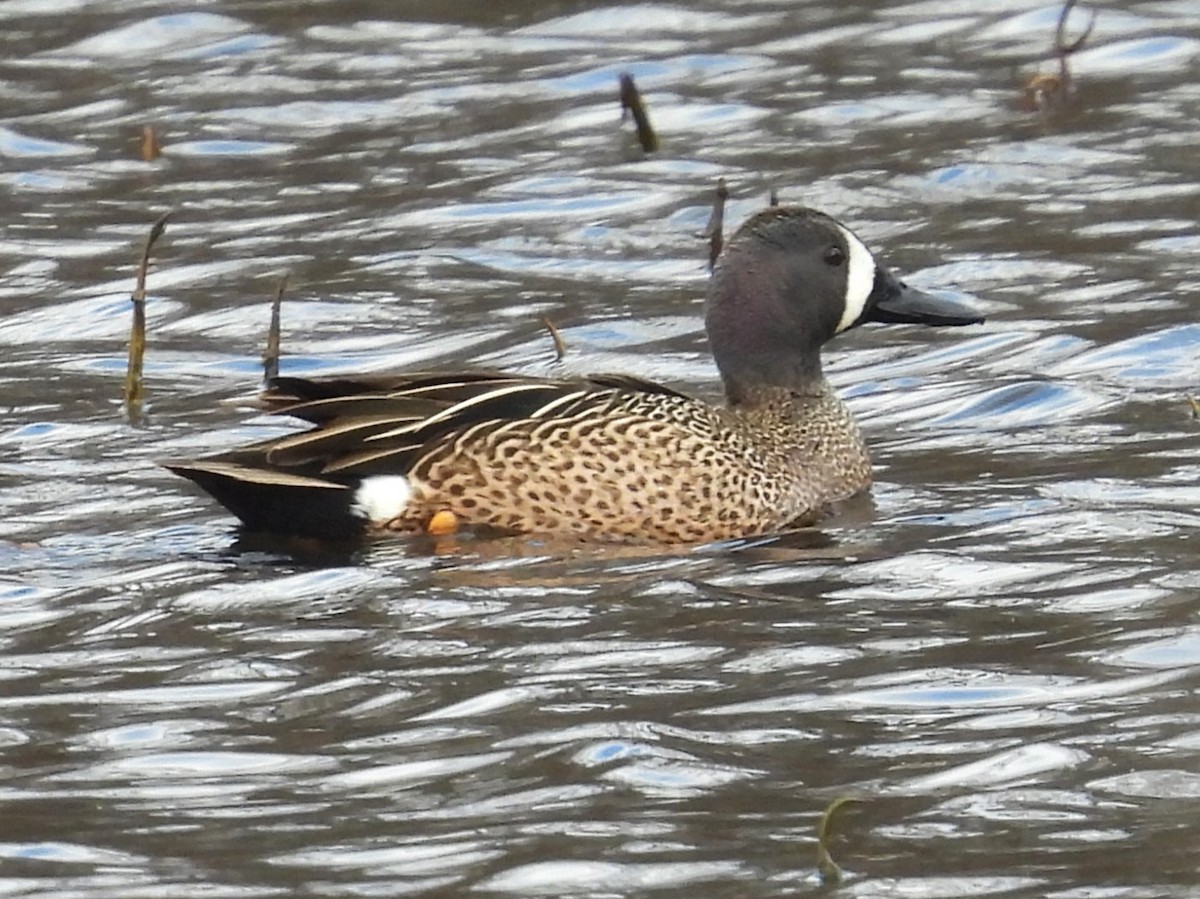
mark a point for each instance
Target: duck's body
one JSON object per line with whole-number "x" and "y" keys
{"x": 609, "y": 457}
{"x": 599, "y": 459}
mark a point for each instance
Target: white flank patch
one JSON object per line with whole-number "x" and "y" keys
{"x": 381, "y": 497}
{"x": 860, "y": 280}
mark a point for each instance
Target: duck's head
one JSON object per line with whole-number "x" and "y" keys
{"x": 789, "y": 280}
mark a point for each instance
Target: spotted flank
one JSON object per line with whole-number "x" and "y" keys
{"x": 606, "y": 457}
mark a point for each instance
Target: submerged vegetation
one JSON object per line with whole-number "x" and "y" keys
{"x": 1047, "y": 92}
{"x": 134, "y": 389}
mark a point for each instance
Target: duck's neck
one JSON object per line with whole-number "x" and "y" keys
{"x": 755, "y": 386}
{"x": 761, "y": 338}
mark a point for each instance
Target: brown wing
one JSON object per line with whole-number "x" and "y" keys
{"x": 369, "y": 425}
{"x": 375, "y": 425}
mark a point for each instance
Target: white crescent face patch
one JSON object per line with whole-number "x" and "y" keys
{"x": 860, "y": 279}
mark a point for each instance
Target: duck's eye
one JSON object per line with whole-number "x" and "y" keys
{"x": 834, "y": 255}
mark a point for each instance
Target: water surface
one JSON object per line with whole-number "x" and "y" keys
{"x": 997, "y": 653}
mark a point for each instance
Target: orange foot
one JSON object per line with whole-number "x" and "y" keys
{"x": 441, "y": 523}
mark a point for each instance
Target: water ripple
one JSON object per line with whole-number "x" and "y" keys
{"x": 994, "y": 652}
{"x": 179, "y": 35}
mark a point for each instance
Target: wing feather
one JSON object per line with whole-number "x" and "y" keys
{"x": 385, "y": 424}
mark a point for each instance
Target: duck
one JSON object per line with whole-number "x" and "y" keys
{"x": 604, "y": 457}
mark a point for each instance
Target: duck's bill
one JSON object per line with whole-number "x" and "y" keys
{"x": 904, "y": 305}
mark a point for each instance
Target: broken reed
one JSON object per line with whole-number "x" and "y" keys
{"x": 631, "y": 102}
{"x": 150, "y": 148}
{"x": 829, "y": 870}
{"x": 715, "y": 229}
{"x": 137, "y": 333}
{"x": 271, "y": 353}
{"x": 560, "y": 345}
{"x": 1043, "y": 92}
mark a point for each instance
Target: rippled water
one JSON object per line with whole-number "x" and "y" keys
{"x": 997, "y": 653}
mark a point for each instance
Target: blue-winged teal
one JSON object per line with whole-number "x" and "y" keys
{"x": 606, "y": 457}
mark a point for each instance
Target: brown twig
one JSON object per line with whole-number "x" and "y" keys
{"x": 1043, "y": 91}
{"x": 715, "y": 229}
{"x": 151, "y": 148}
{"x": 827, "y": 868}
{"x": 560, "y": 345}
{"x": 137, "y": 333}
{"x": 1063, "y": 50}
{"x": 271, "y": 353}
{"x": 631, "y": 101}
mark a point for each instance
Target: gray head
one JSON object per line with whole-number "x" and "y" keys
{"x": 788, "y": 281}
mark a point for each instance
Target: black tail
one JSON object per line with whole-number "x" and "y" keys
{"x": 275, "y": 502}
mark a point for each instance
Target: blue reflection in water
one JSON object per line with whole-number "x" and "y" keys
{"x": 1021, "y": 404}
{"x": 33, "y": 429}
{"x": 613, "y": 750}
{"x": 14, "y": 143}
{"x": 237, "y": 46}
{"x": 652, "y": 73}
{"x": 228, "y": 148}
{"x": 605, "y": 77}
{"x": 951, "y": 697}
